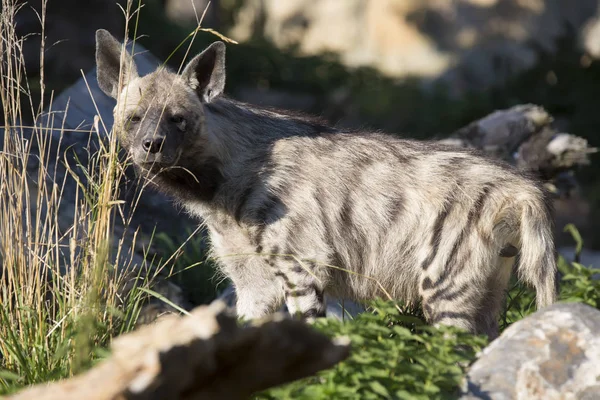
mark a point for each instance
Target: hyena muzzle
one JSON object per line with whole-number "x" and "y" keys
{"x": 296, "y": 209}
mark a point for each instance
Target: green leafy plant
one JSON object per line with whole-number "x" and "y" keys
{"x": 580, "y": 283}
{"x": 394, "y": 355}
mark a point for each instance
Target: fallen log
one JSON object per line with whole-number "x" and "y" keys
{"x": 205, "y": 355}
{"x": 524, "y": 136}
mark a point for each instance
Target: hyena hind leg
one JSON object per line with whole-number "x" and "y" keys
{"x": 494, "y": 302}
{"x": 473, "y": 304}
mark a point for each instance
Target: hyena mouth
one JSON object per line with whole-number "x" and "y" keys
{"x": 156, "y": 167}
{"x": 158, "y": 163}
{"x": 153, "y": 167}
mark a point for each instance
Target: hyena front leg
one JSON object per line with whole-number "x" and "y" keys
{"x": 257, "y": 301}
{"x": 257, "y": 290}
{"x": 304, "y": 293}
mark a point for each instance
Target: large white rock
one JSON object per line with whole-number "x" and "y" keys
{"x": 552, "y": 354}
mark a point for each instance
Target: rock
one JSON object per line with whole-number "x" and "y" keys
{"x": 552, "y": 354}
{"x": 469, "y": 43}
{"x": 385, "y": 38}
{"x": 205, "y": 355}
{"x": 526, "y": 136}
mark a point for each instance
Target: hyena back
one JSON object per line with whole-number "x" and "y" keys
{"x": 286, "y": 199}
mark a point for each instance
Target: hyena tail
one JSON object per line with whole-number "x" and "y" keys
{"x": 537, "y": 262}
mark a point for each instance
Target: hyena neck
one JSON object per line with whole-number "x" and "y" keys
{"x": 198, "y": 182}
{"x": 241, "y": 137}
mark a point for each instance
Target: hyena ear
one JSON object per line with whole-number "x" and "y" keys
{"x": 205, "y": 73}
{"x": 108, "y": 62}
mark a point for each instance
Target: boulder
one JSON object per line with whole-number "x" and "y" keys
{"x": 469, "y": 43}
{"x": 552, "y": 354}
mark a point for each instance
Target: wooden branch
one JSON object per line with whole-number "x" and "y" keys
{"x": 205, "y": 355}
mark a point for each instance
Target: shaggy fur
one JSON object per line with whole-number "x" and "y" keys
{"x": 286, "y": 199}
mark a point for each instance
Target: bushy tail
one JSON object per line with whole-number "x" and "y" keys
{"x": 537, "y": 262}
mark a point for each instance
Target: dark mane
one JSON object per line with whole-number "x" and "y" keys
{"x": 295, "y": 122}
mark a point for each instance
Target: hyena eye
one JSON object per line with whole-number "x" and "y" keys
{"x": 177, "y": 119}
{"x": 135, "y": 119}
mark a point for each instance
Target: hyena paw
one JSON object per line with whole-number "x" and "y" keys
{"x": 306, "y": 304}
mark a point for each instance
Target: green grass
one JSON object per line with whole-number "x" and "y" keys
{"x": 64, "y": 294}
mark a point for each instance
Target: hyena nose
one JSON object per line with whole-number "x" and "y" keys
{"x": 153, "y": 145}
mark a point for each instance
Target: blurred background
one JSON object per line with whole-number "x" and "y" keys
{"x": 420, "y": 68}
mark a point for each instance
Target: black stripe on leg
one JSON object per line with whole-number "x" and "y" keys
{"x": 258, "y": 239}
{"x": 313, "y": 291}
{"x": 472, "y": 219}
{"x": 446, "y": 294}
{"x": 307, "y": 291}
{"x": 314, "y": 313}
{"x": 427, "y": 284}
{"x": 303, "y": 267}
{"x": 273, "y": 254}
{"x": 286, "y": 280}
{"x": 448, "y": 272}
{"x": 297, "y": 268}
{"x": 477, "y": 210}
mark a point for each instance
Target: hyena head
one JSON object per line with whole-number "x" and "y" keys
{"x": 159, "y": 118}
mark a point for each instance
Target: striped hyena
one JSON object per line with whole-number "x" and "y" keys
{"x": 285, "y": 197}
